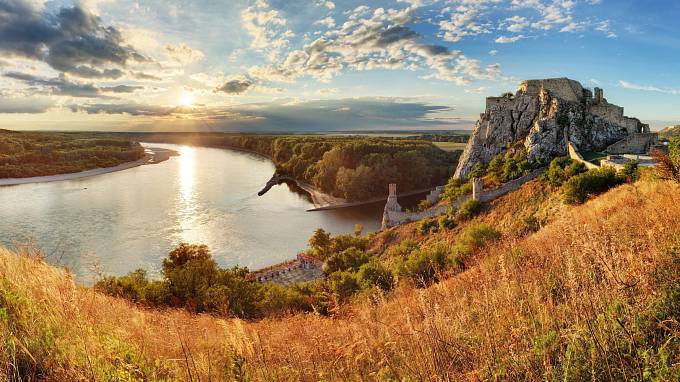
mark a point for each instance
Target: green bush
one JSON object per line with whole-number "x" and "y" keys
{"x": 350, "y": 259}
{"x": 426, "y": 225}
{"x": 423, "y": 267}
{"x": 561, "y": 169}
{"x": 344, "y": 284}
{"x": 375, "y": 274}
{"x": 631, "y": 171}
{"x": 480, "y": 235}
{"x": 447, "y": 222}
{"x": 455, "y": 189}
{"x": 579, "y": 188}
{"x": 469, "y": 209}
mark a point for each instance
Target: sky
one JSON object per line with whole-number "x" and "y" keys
{"x": 309, "y": 65}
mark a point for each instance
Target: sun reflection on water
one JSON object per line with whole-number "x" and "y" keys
{"x": 186, "y": 174}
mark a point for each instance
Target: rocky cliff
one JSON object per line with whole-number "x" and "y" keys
{"x": 543, "y": 116}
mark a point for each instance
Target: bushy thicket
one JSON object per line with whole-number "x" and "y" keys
{"x": 191, "y": 279}
{"x": 27, "y": 154}
{"x": 580, "y": 187}
{"x": 561, "y": 169}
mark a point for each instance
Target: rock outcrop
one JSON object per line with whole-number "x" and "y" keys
{"x": 544, "y": 116}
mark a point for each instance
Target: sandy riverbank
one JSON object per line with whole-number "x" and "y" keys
{"x": 153, "y": 155}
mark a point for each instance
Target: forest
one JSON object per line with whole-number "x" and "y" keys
{"x": 28, "y": 154}
{"x": 354, "y": 168}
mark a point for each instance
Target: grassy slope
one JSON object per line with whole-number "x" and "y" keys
{"x": 570, "y": 302}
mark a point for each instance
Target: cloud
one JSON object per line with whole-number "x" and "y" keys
{"x": 605, "y": 28}
{"x": 463, "y": 20}
{"x": 62, "y": 86}
{"x": 235, "y": 86}
{"x": 493, "y": 52}
{"x": 293, "y": 115}
{"x": 377, "y": 40}
{"x": 328, "y": 22}
{"x": 328, "y": 4}
{"x": 509, "y": 39}
{"x": 517, "y": 24}
{"x": 648, "y": 88}
{"x": 24, "y": 105}
{"x": 71, "y": 41}
{"x": 183, "y": 53}
{"x": 267, "y": 28}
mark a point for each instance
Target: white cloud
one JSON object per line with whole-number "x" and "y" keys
{"x": 183, "y": 53}
{"x": 517, "y": 24}
{"x": 509, "y": 39}
{"x": 605, "y": 28}
{"x": 493, "y": 52}
{"x": 267, "y": 28}
{"x": 648, "y": 88}
{"x": 328, "y": 22}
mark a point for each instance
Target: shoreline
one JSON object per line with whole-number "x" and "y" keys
{"x": 153, "y": 155}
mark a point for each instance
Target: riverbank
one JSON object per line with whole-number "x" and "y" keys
{"x": 152, "y": 155}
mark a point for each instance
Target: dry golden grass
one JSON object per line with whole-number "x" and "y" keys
{"x": 562, "y": 304}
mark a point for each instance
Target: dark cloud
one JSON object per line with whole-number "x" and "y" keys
{"x": 320, "y": 115}
{"x": 235, "y": 86}
{"x": 395, "y": 34}
{"x": 122, "y": 89}
{"x": 134, "y": 109}
{"x": 33, "y": 105}
{"x": 72, "y": 41}
{"x": 63, "y": 86}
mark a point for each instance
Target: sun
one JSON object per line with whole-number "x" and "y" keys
{"x": 186, "y": 98}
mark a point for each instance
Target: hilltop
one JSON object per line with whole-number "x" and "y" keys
{"x": 590, "y": 292}
{"x": 544, "y": 117}
{"x": 670, "y": 132}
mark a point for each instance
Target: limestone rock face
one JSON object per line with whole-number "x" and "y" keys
{"x": 543, "y": 116}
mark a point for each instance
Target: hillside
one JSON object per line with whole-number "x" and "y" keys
{"x": 593, "y": 295}
{"x": 28, "y": 154}
{"x": 669, "y": 132}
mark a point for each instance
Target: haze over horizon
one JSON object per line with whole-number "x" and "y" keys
{"x": 321, "y": 65}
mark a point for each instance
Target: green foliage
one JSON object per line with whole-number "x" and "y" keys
{"x": 469, "y": 208}
{"x": 631, "y": 171}
{"x": 426, "y": 225}
{"x": 320, "y": 242}
{"x": 350, "y": 259}
{"x": 375, "y": 274}
{"x": 344, "y": 284}
{"x": 456, "y": 189}
{"x": 561, "y": 169}
{"x": 423, "y": 267}
{"x": 27, "y": 154}
{"x": 579, "y": 188}
{"x": 473, "y": 238}
{"x": 504, "y": 167}
{"x": 447, "y": 222}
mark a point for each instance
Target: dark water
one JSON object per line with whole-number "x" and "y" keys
{"x": 131, "y": 219}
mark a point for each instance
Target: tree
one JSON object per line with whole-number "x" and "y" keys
{"x": 373, "y": 274}
{"x": 320, "y": 241}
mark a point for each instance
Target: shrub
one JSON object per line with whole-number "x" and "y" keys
{"x": 403, "y": 249}
{"x": 447, "y": 222}
{"x": 481, "y": 234}
{"x": 455, "y": 189}
{"x": 469, "y": 208}
{"x": 631, "y": 171}
{"x": 561, "y": 169}
{"x": 424, "y": 267}
{"x": 348, "y": 260}
{"x": 344, "y": 284}
{"x": 580, "y": 187}
{"x": 426, "y": 225}
{"x": 373, "y": 274}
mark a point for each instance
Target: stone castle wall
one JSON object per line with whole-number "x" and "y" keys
{"x": 564, "y": 88}
{"x": 634, "y": 144}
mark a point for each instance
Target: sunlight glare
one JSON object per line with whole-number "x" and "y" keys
{"x": 186, "y": 98}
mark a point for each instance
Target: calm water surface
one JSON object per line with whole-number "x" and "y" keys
{"x": 131, "y": 219}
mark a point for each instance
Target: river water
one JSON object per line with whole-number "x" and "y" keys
{"x": 118, "y": 222}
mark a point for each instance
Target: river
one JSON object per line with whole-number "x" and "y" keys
{"x": 118, "y": 222}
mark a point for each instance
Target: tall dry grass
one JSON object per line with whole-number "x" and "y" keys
{"x": 591, "y": 296}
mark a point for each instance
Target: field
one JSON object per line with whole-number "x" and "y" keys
{"x": 450, "y": 146}
{"x": 592, "y": 295}
{"x": 28, "y": 154}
